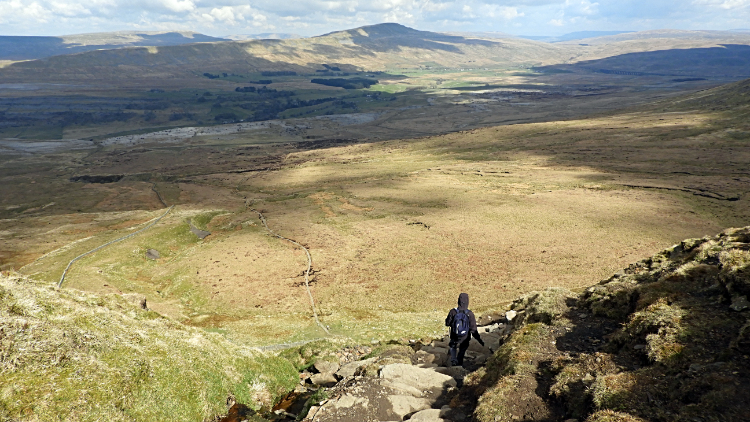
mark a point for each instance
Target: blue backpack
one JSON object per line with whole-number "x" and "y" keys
{"x": 461, "y": 324}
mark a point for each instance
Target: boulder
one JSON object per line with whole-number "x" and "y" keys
{"x": 153, "y": 254}
{"x": 429, "y": 415}
{"x": 408, "y": 389}
{"x": 348, "y": 400}
{"x": 455, "y": 372}
{"x": 404, "y": 405}
{"x": 440, "y": 343}
{"x": 510, "y": 315}
{"x": 350, "y": 368}
{"x": 436, "y": 350}
{"x": 423, "y": 379}
{"x": 489, "y": 319}
{"x": 491, "y": 340}
{"x": 474, "y": 346}
{"x": 326, "y": 367}
{"x": 422, "y": 357}
{"x": 324, "y": 380}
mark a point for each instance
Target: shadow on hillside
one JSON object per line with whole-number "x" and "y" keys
{"x": 393, "y": 38}
{"x": 728, "y": 61}
{"x": 30, "y": 48}
{"x": 665, "y": 339}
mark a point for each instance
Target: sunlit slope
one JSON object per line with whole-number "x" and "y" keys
{"x": 69, "y": 355}
{"x": 397, "y": 229}
{"x": 369, "y": 48}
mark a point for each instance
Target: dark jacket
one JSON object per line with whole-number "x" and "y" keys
{"x": 463, "y": 305}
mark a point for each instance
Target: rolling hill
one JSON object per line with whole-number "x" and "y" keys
{"x": 376, "y": 47}
{"x": 31, "y": 48}
{"x": 380, "y": 47}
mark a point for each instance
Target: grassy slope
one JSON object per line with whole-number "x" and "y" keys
{"x": 68, "y": 355}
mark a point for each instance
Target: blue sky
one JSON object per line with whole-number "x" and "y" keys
{"x": 314, "y": 17}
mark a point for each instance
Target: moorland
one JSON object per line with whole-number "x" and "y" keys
{"x": 418, "y": 166}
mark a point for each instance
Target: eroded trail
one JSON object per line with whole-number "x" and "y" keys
{"x": 307, "y": 270}
{"x": 402, "y": 382}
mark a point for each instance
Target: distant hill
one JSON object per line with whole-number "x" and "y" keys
{"x": 728, "y": 37}
{"x": 263, "y": 36}
{"x": 729, "y": 61}
{"x": 30, "y": 48}
{"x": 388, "y": 46}
{"x": 574, "y": 36}
{"x": 487, "y": 35}
{"x": 375, "y": 47}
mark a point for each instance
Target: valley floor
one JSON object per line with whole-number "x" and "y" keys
{"x": 396, "y": 228}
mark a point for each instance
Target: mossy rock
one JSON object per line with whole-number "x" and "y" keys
{"x": 659, "y": 326}
{"x": 614, "y": 300}
{"x": 574, "y": 378}
{"x": 545, "y": 306}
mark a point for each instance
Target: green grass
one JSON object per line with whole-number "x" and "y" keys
{"x": 79, "y": 357}
{"x": 388, "y": 88}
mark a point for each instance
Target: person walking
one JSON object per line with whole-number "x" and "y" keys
{"x": 463, "y": 326}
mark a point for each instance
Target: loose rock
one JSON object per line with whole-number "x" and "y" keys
{"x": 739, "y": 303}
{"x": 324, "y": 380}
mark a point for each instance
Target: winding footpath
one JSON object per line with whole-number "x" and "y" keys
{"x": 307, "y": 271}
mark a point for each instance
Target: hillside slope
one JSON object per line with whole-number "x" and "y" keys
{"x": 373, "y": 47}
{"x": 734, "y": 97}
{"x": 30, "y": 48}
{"x": 666, "y": 339}
{"x": 381, "y": 47}
{"x": 66, "y": 355}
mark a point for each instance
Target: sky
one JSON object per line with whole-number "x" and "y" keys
{"x": 315, "y": 17}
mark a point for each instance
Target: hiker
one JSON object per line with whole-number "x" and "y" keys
{"x": 463, "y": 327}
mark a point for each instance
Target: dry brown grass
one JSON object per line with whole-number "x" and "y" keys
{"x": 398, "y": 228}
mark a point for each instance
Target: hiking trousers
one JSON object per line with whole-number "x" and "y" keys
{"x": 458, "y": 350}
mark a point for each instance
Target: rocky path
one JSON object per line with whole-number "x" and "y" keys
{"x": 412, "y": 383}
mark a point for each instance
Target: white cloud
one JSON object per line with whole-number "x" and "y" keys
{"x": 724, "y": 4}
{"x": 505, "y": 12}
{"x": 14, "y": 11}
{"x": 311, "y": 17}
{"x": 224, "y": 14}
{"x": 178, "y": 5}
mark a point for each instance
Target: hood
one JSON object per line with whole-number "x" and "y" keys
{"x": 463, "y": 301}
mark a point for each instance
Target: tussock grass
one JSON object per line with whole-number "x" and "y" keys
{"x": 610, "y": 416}
{"x": 664, "y": 339}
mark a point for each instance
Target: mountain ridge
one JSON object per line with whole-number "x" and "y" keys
{"x": 34, "y": 47}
